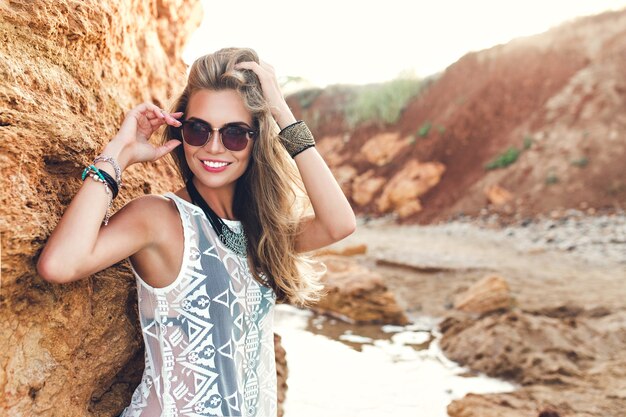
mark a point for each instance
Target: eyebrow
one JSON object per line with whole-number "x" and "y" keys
{"x": 237, "y": 123}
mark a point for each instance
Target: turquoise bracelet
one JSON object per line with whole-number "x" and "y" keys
{"x": 97, "y": 176}
{"x": 92, "y": 168}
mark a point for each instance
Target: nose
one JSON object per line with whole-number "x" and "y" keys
{"x": 214, "y": 143}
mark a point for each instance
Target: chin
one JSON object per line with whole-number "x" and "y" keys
{"x": 217, "y": 180}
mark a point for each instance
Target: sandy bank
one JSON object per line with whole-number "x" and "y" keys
{"x": 564, "y": 338}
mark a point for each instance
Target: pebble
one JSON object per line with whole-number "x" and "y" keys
{"x": 599, "y": 238}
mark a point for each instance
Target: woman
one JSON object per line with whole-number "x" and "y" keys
{"x": 206, "y": 290}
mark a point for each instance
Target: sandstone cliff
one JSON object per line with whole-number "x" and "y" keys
{"x": 70, "y": 70}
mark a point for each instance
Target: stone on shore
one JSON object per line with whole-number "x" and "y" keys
{"x": 357, "y": 294}
{"x": 489, "y": 294}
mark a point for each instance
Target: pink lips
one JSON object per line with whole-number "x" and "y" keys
{"x": 211, "y": 169}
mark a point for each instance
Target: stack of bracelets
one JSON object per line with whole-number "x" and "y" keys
{"x": 111, "y": 186}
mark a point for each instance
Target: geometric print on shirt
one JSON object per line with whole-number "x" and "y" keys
{"x": 208, "y": 335}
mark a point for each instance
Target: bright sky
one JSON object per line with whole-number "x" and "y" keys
{"x": 357, "y": 42}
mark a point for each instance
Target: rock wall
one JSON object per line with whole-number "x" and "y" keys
{"x": 69, "y": 71}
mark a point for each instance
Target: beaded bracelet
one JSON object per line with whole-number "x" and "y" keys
{"x": 296, "y": 138}
{"x": 91, "y": 168}
{"x": 116, "y": 167}
{"x": 97, "y": 175}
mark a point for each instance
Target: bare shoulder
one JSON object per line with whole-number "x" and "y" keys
{"x": 153, "y": 211}
{"x": 157, "y": 261}
{"x": 152, "y": 202}
{"x": 147, "y": 204}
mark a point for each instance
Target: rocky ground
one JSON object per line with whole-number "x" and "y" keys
{"x": 563, "y": 337}
{"x": 600, "y": 238}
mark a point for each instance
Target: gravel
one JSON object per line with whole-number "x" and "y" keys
{"x": 592, "y": 238}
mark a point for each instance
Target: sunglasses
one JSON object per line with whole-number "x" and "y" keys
{"x": 196, "y": 132}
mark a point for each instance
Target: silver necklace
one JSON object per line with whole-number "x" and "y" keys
{"x": 235, "y": 241}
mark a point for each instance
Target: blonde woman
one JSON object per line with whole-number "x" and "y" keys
{"x": 213, "y": 258}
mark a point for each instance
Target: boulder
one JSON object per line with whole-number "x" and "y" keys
{"x": 566, "y": 365}
{"x": 382, "y": 148}
{"x": 365, "y": 186}
{"x": 402, "y": 192}
{"x": 522, "y": 347}
{"x": 498, "y": 195}
{"x": 357, "y": 295}
{"x": 330, "y": 148}
{"x": 489, "y": 294}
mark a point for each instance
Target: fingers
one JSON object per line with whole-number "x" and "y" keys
{"x": 254, "y": 65}
{"x": 270, "y": 86}
{"x": 263, "y": 70}
{"x": 149, "y": 110}
{"x": 171, "y": 118}
{"x": 166, "y": 148}
{"x": 152, "y": 110}
{"x": 251, "y": 65}
{"x": 267, "y": 66}
{"x": 158, "y": 112}
{"x": 245, "y": 65}
{"x": 156, "y": 116}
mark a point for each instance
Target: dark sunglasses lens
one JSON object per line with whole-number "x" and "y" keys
{"x": 195, "y": 134}
{"x": 235, "y": 138}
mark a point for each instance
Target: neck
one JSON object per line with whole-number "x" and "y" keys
{"x": 219, "y": 199}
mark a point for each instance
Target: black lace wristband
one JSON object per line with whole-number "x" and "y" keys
{"x": 296, "y": 138}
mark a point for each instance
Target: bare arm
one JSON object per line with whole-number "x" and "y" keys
{"x": 80, "y": 245}
{"x": 334, "y": 218}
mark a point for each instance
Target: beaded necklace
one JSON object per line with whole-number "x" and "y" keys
{"x": 235, "y": 241}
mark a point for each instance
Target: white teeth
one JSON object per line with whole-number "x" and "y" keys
{"x": 215, "y": 164}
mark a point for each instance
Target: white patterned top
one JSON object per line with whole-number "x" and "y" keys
{"x": 209, "y": 341}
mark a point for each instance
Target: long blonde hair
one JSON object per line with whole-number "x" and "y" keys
{"x": 270, "y": 198}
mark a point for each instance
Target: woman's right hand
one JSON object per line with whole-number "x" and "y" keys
{"x": 138, "y": 125}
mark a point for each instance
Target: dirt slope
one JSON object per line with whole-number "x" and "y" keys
{"x": 558, "y": 97}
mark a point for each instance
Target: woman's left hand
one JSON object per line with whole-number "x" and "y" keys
{"x": 271, "y": 91}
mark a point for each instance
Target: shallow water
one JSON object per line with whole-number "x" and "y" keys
{"x": 337, "y": 369}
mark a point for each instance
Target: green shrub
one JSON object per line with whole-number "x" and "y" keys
{"x": 528, "y": 141}
{"x": 441, "y": 129}
{"x": 382, "y": 103}
{"x": 505, "y": 159}
{"x": 552, "y": 178}
{"x": 581, "y": 162}
{"x": 423, "y": 132}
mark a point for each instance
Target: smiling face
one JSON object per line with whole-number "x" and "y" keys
{"x": 218, "y": 108}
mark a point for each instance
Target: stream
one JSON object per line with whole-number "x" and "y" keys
{"x": 338, "y": 369}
